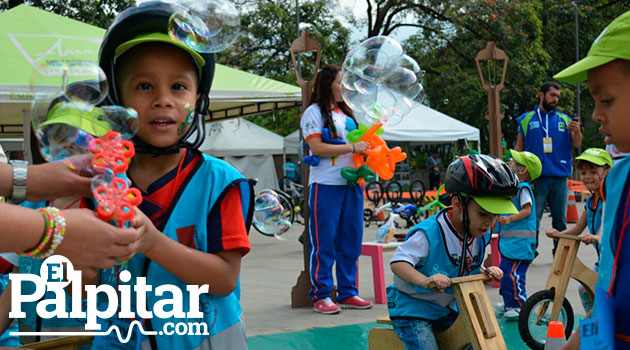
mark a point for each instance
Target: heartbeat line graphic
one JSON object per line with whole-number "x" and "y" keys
{"x": 109, "y": 331}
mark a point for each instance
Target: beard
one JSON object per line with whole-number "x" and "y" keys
{"x": 547, "y": 106}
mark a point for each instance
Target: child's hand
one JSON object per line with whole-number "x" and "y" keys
{"x": 495, "y": 271}
{"x": 437, "y": 283}
{"x": 589, "y": 238}
{"x": 147, "y": 231}
{"x": 552, "y": 232}
{"x": 504, "y": 220}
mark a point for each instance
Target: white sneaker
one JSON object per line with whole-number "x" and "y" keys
{"x": 500, "y": 307}
{"x": 512, "y": 313}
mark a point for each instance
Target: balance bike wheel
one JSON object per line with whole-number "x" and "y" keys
{"x": 535, "y": 335}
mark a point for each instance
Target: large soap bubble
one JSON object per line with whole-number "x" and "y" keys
{"x": 205, "y": 25}
{"x": 269, "y": 215}
{"x": 379, "y": 82}
{"x": 65, "y": 128}
{"x": 81, "y": 80}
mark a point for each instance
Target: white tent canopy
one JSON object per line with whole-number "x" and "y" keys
{"x": 422, "y": 125}
{"x": 246, "y": 146}
{"x": 426, "y": 125}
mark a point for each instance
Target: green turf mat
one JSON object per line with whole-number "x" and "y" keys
{"x": 354, "y": 337}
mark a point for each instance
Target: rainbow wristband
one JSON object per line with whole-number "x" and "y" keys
{"x": 49, "y": 219}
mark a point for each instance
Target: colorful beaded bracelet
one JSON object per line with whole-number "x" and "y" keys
{"x": 49, "y": 221}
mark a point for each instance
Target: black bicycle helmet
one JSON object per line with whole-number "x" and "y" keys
{"x": 481, "y": 175}
{"x": 153, "y": 17}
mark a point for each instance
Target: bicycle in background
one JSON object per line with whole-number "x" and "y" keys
{"x": 295, "y": 191}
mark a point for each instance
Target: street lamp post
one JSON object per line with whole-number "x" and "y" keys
{"x": 304, "y": 43}
{"x": 493, "y": 85}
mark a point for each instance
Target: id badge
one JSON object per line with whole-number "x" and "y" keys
{"x": 547, "y": 145}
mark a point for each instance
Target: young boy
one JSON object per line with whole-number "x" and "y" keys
{"x": 593, "y": 166}
{"x": 421, "y": 301}
{"x": 199, "y": 207}
{"x": 517, "y": 236}
{"x": 607, "y": 68}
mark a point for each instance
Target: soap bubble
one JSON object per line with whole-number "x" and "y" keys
{"x": 380, "y": 82}
{"x": 120, "y": 119}
{"x": 374, "y": 58}
{"x": 80, "y": 80}
{"x": 65, "y": 128}
{"x": 205, "y": 25}
{"x": 269, "y": 215}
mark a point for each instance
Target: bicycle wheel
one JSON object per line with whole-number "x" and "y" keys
{"x": 533, "y": 329}
{"x": 288, "y": 213}
{"x": 394, "y": 191}
{"x": 374, "y": 192}
{"x": 416, "y": 191}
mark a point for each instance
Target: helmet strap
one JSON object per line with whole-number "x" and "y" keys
{"x": 464, "y": 200}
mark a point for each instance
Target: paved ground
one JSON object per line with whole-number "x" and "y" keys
{"x": 270, "y": 270}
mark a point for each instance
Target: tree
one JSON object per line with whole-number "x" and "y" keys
{"x": 268, "y": 29}
{"x": 99, "y": 13}
{"x": 537, "y": 36}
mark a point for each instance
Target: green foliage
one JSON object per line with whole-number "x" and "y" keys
{"x": 269, "y": 28}
{"x": 537, "y": 36}
{"x": 99, "y": 13}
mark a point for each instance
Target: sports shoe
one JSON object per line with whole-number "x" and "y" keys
{"x": 512, "y": 313}
{"x": 326, "y": 306}
{"x": 356, "y": 302}
{"x": 500, "y": 307}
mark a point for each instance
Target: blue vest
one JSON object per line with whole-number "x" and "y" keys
{"x": 425, "y": 303}
{"x": 593, "y": 217}
{"x": 558, "y": 162}
{"x": 209, "y": 184}
{"x": 7, "y": 339}
{"x": 615, "y": 182}
{"x": 517, "y": 240}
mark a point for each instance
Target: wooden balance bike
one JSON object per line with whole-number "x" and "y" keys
{"x": 475, "y": 326}
{"x": 550, "y": 304}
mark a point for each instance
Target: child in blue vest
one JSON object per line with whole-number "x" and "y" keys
{"x": 199, "y": 207}
{"x": 607, "y": 68}
{"x": 447, "y": 245}
{"x": 517, "y": 236}
{"x": 196, "y": 209}
{"x": 593, "y": 166}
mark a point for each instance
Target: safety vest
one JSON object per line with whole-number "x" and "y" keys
{"x": 558, "y": 162}
{"x": 615, "y": 182}
{"x": 425, "y": 303}
{"x": 594, "y": 217}
{"x": 517, "y": 240}
{"x": 211, "y": 181}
